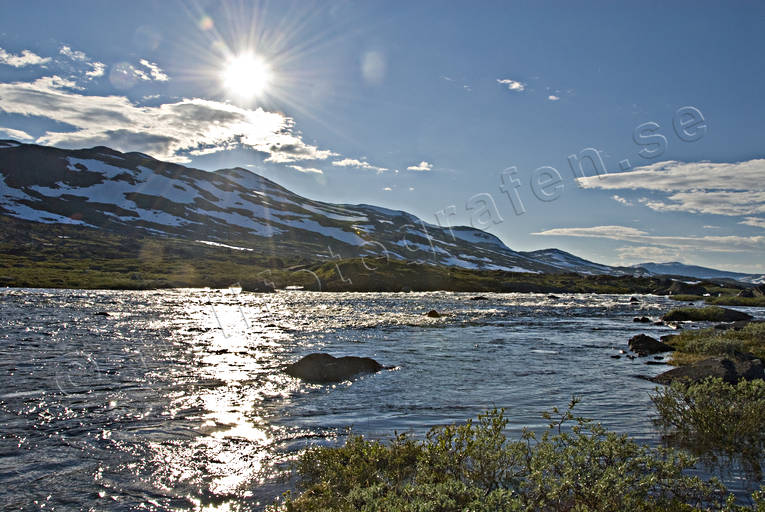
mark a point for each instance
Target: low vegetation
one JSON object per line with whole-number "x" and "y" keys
{"x": 727, "y": 297}
{"x": 705, "y": 314}
{"x": 718, "y": 342}
{"x": 714, "y": 418}
{"x": 64, "y": 256}
{"x": 733, "y": 300}
{"x": 575, "y": 465}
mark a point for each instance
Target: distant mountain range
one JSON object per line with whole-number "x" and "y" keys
{"x": 238, "y": 209}
{"x": 675, "y": 268}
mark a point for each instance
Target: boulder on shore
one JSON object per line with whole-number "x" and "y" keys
{"x": 731, "y": 369}
{"x": 645, "y": 345}
{"x": 320, "y": 367}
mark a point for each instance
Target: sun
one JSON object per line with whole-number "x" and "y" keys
{"x": 247, "y": 76}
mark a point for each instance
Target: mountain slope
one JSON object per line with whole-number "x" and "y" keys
{"x": 134, "y": 194}
{"x": 675, "y": 268}
{"x": 130, "y": 192}
{"x": 567, "y": 261}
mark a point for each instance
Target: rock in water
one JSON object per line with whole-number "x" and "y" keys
{"x": 645, "y": 345}
{"x": 326, "y": 368}
{"x": 433, "y": 314}
{"x": 642, "y": 320}
{"x": 731, "y": 370}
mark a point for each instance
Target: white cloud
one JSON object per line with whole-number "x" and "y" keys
{"x": 155, "y": 71}
{"x": 731, "y": 189}
{"x": 730, "y": 203}
{"x": 26, "y": 58}
{"x": 96, "y": 68}
{"x": 358, "y": 164}
{"x": 67, "y": 51}
{"x": 422, "y": 166}
{"x": 387, "y": 189}
{"x": 615, "y": 232}
{"x": 646, "y": 253}
{"x": 674, "y": 176}
{"x": 620, "y": 199}
{"x": 757, "y": 222}
{"x": 16, "y": 134}
{"x": 512, "y": 85}
{"x": 687, "y": 243}
{"x": 167, "y": 131}
{"x": 306, "y": 169}
{"x": 553, "y": 97}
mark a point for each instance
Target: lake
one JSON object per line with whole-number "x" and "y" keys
{"x": 176, "y": 399}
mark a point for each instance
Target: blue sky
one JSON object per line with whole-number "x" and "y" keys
{"x": 424, "y": 106}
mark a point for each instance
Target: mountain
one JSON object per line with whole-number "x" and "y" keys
{"x": 675, "y": 268}
{"x": 567, "y": 261}
{"x": 135, "y": 195}
{"x": 236, "y": 208}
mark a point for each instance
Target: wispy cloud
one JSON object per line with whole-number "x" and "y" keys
{"x": 512, "y": 85}
{"x": 613, "y": 232}
{"x": 732, "y": 189}
{"x": 25, "y": 58}
{"x": 358, "y": 164}
{"x": 687, "y": 243}
{"x": 313, "y": 170}
{"x": 169, "y": 131}
{"x": 553, "y": 97}
{"x": 97, "y": 69}
{"x": 646, "y": 253}
{"x": 620, "y": 199}
{"x": 422, "y": 166}
{"x": 16, "y": 134}
{"x": 154, "y": 71}
{"x": 757, "y": 222}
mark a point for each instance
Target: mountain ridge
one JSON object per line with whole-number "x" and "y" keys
{"x": 133, "y": 192}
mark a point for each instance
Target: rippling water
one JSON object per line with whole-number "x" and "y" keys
{"x": 175, "y": 400}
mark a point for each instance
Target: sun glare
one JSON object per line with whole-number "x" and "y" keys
{"x": 247, "y": 76}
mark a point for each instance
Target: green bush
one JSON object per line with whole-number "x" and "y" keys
{"x": 715, "y": 418}
{"x": 574, "y": 466}
{"x": 715, "y": 342}
{"x": 733, "y": 300}
{"x": 705, "y": 314}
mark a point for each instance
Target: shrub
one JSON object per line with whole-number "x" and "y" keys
{"x": 575, "y": 465}
{"x": 714, "y": 342}
{"x": 707, "y": 313}
{"x": 715, "y": 418}
{"x": 733, "y": 300}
